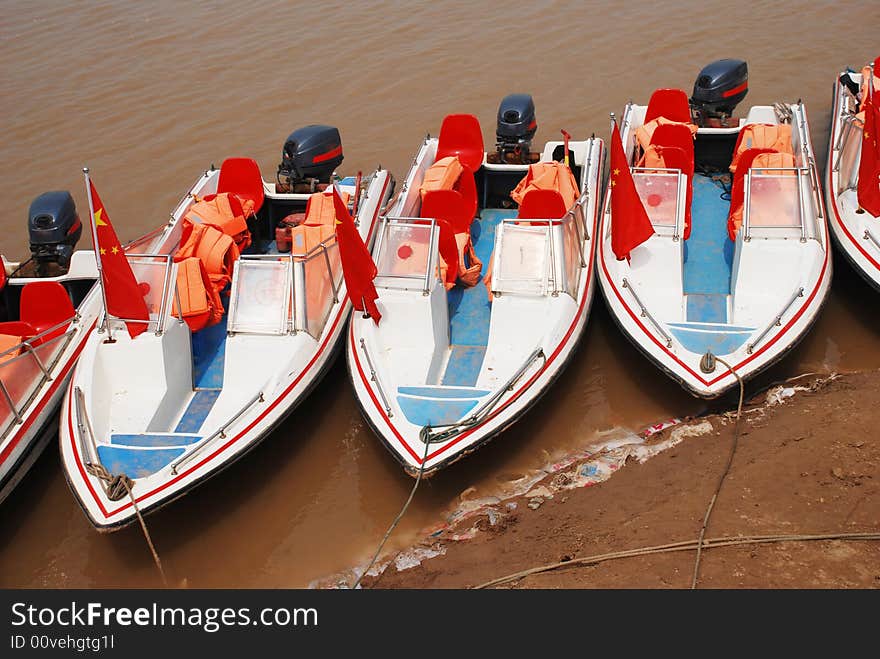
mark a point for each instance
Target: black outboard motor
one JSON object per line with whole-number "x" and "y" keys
{"x": 310, "y": 156}
{"x": 53, "y": 228}
{"x": 516, "y": 128}
{"x": 718, "y": 90}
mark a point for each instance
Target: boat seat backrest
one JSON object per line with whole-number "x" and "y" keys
{"x": 542, "y": 205}
{"x": 241, "y": 177}
{"x": 199, "y": 300}
{"x": 548, "y": 176}
{"x": 670, "y": 103}
{"x": 461, "y": 135}
{"x": 776, "y": 137}
{"x": 448, "y": 205}
{"x": 45, "y": 304}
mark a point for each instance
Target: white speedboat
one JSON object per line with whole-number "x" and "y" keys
{"x": 44, "y": 321}
{"x": 263, "y": 304}
{"x": 455, "y": 360}
{"x": 856, "y": 229}
{"x": 732, "y": 261}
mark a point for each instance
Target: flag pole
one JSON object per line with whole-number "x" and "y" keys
{"x": 98, "y": 254}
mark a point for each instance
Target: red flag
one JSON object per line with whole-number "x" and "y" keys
{"x": 357, "y": 264}
{"x": 2, "y": 274}
{"x": 869, "y": 164}
{"x": 121, "y": 291}
{"x": 630, "y": 226}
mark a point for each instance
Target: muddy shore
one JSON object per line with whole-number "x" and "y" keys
{"x": 807, "y": 463}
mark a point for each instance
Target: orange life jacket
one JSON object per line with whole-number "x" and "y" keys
{"x": 7, "y": 342}
{"x": 226, "y": 213}
{"x": 548, "y": 176}
{"x": 762, "y": 136}
{"x": 442, "y": 175}
{"x": 645, "y": 132}
{"x": 199, "y": 300}
{"x": 216, "y": 250}
{"x": 320, "y": 208}
{"x": 306, "y": 237}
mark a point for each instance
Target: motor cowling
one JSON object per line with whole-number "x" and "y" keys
{"x": 54, "y": 228}
{"x": 516, "y": 128}
{"x": 719, "y": 88}
{"x": 309, "y": 157}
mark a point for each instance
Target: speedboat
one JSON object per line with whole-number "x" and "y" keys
{"x": 231, "y": 318}
{"x": 44, "y": 322}
{"x": 484, "y": 282}
{"x": 852, "y": 189}
{"x": 714, "y": 256}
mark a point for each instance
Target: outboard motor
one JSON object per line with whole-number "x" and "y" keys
{"x": 54, "y": 229}
{"x": 718, "y": 90}
{"x": 309, "y": 158}
{"x": 516, "y": 128}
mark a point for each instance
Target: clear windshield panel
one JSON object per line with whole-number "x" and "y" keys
{"x": 319, "y": 297}
{"x": 522, "y": 261}
{"x": 659, "y": 194}
{"x": 21, "y": 377}
{"x": 150, "y": 273}
{"x": 774, "y": 199}
{"x": 260, "y": 296}
{"x": 405, "y": 250}
{"x": 571, "y": 255}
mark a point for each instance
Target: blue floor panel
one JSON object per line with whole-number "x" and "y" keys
{"x": 209, "y": 353}
{"x": 136, "y": 462}
{"x": 442, "y": 392}
{"x": 469, "y": 308}
{"x": 706, "y": 308}
{"x": 709, "y": 250}
{"x": 464, "y": 365}
{"x": 432, "y": 412}
{"x": 197, "y": 411}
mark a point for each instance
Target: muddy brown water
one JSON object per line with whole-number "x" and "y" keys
{"x": 150, "y": 94}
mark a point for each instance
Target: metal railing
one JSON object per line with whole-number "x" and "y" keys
{"x": 106, "y": 317}
{"x": 430, "y": 260}
{"x": 375, "y": 378}
{"x": 220, "y": 432}
{"x": 646, "y": 314}
{"x": 776, "y": 321}
{"x": 799, "y": 172}
{"x": 26, "y": 350}
{"x": 870, "y": 236}
{"x": 453, "y": 429}
{"x": 84, "y": 426}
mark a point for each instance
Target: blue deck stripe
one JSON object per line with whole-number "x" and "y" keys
{"x": 136, "y": 463}
{"x": 426, "y": 412}
{"x": 153, "y": 440}
{"x": 707, "y": 308}
{"x": 709, "y": 251}
{"x": 209, "y": 355}
{"x": 464, "y": 365}
{"x": 442, "y": 392}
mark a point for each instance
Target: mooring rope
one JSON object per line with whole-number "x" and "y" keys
{"x": 398, "y": 518}
{"x": 117, "y": 487}
{"x": 723, "y": 475}
{"x": 688, "y": 545}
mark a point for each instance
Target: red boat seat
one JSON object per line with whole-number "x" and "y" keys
{"x": 450, "y": 207}
{"x": 676, "y": 144}
{"x": 461, "y": 135}
{"x": 45, "y": 304}
{"x": 670, "y": 103}
{"x": 542, "y": 205}
{"x": 241, "y": 177}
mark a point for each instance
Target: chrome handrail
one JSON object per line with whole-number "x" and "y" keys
{"x": 375, "y": 378}
{"x": 84, "y": 424}
{"x": 870, "y": 236}
{"x": 15, "y": 412}
{"x": 646, "y": 313}
{"x": 453, "y": 429}
{"x": 220, "y": 432}
{"x": 776, "y": 321}
{"x": 48, "y": 330}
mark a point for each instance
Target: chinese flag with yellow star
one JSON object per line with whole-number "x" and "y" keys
{"x": 869, "y": 164}
{"x": 121, "y": 291}
{"x": 630, "y": 226}
{"x": 357, "y": 264}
